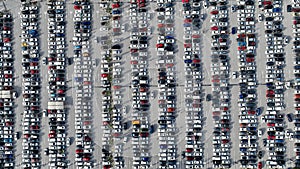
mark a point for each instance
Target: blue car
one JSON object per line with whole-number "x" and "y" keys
{"x": 233, "y": 30}
{"x": 187, "y": 25}
{"x": 59, "y": 11}
{"x": 116, "y": 12}
{"x": 251, "y": 128}
{"x": 279, "y": 141}
{"x": 34, "y": 59}
{"x": 163, "y": 146}
{"x": 269, "y": 84}
{"x": 86, "y": 23}
{"x": 60, "y": 34}
{"x": 188, "y": 61}
{"x": 78, "y": 47}
{"x": 86, "y": 26}
{"x": 242, "y": 43}
{"x": 169, "y": 37}
{"x": 151, "y": 130}
{"x": 258, "y": 111}
{"x": 243, "y": 149}
{"x": 145, "y": 158}
{"x": 195, "y": 65}
{"x": 276, "y": 9}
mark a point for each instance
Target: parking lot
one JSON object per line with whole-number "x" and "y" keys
{"x": 150, "y": 84}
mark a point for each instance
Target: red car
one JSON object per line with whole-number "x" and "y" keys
{"x": 116, "y": 18}
{"x": 33, "y": 63}
{"x": 6, "y": 28}
{"x": 169, "y": 64}
{"x": 195, "y": 36}
{"x": 189, "y": 158}
{"x": 251, "y": 112}
{"x": 60, "y": 91}
{"x": 159, "y": 45}
{"x": 214, "y": 12}
{"x": 267, "y": 3}
{"x": 215, "y": 80}
{"x": 34, "y": 71}
{"x": 34, "y": 107}
{"x": 133, "y": 50}
{"x": 115, "y": 5}
{"x": 51, "y": 135}
{"x": 144, "y": 134}
{"x": 214, "y": 28}
{"x": 171, "y": 109}
{"x": 134, "y": 62}
{"x": 79, "y": 151}
{"x": 270, "y": 92}
{"x": 216, "y": 113}
{"x": 141, "y": 5}
{"x": 8, "y": 123}
{"x": 271, "y": 137}
{"x": 250, "y": 19}
{"x": 35, "y": 127}
{"x": 241, "y": 35}
{"x": 26, "y": 135}
{"x": 225, "y": 108}
{"x": 196, "y": 60}
{"x": 187, "y": 20}
{"x": 161, "y": 101}
{"x": 259, "y": 166}
{"x": 270, "y": 124}
{"x": 77, "y": 7}
{"x": 225, "y": 129}
{"x": 242, "y": 48}
{"x": 249, "y": 60}
{"x": 104, "y": 75}
{"x": 187, "y": 45}
{"x": 6, "y": 40}
{"x": 59, "y": 79}
{"x": 143, "y": 101}
{"x": 160, "y": 25}
{"x": 8, "y": 76}
{"x": 189, "y": 150}
{"x": 225, "y": 141}
{"x": 116, "y": 87}
{"x": 142, "y": 89}
{"x": 50, "y": 59}
{"x": 185, "y": 1}
{"x": 51, "y": 67}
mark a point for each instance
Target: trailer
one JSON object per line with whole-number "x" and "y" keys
{"x": 56, "y": 105}
{"x": 5, "y": 94}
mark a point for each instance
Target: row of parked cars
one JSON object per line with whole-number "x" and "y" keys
{"x": 140, "y": 83}
{"x": 56, "y": 61}
{"x": 111, "y": 77}
{"x": 193, "y": 153}
{"x": 295, "y": 117}
{"x": 275, "y": 142}
{"x": 83, "y": 82}
{"x": 119, "y": 110}
{"x": 7, "y": 136}
{"x": 31, "y": 157}
{"x": 248, "y": 116}
{"x": 165, "y": 47}
{"x": 220, "y": 84}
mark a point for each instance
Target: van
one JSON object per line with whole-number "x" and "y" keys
{"x": 269, "y": 162}
{"x": 136, "y": 122}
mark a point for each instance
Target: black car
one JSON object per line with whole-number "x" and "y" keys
{"x": 289, "y": 8}
{"x": 289, "y": 117}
